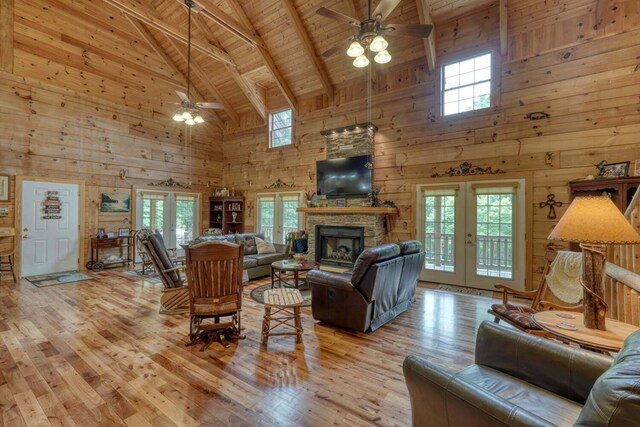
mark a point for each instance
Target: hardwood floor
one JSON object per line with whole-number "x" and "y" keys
{"x": 98, "y": 353}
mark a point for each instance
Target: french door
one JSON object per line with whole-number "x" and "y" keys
{"x": 473, "y": 232}
{"x": 175, "y": 215}
{"x": 278, "y": 215}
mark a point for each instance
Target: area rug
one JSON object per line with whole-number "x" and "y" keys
{"x": 463, "y": 290}
{"x": 152, "y": 278}
{"x": 44, "y": 280}
{"x": 257, "y": 294}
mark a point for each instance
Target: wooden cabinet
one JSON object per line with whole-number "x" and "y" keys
{"x": 227, "y": 214}
{"x": 620, "y": 189}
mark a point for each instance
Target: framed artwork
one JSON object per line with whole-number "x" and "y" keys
{"x": 102, "y": 233}
{"x": 612, "y": 170}
{"x": 636, "y": 169}
{"x": 111, "y": 234}
{"x": 123, "y": 232}
{"x": 115, "y": 202}
{"x": 4, "y": 188}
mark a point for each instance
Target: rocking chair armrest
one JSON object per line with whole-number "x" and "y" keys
{"x": 547, "y": 305}
{"x": 176, "y": 268}
{"x": 510, "y": 291}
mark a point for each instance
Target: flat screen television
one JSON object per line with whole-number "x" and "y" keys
{"x": 345, "y": 177}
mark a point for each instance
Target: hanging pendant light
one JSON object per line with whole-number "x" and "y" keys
{"x": 382, "y": 57}
{"x": 360, "y": 62}
{"x": 378, "y": 44}
{"x": 355, "y": 49}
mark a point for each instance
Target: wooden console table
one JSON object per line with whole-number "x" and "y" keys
{"x": 109, "y": 243}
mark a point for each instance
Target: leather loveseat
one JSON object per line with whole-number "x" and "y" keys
{"x": 523, "y": 380}
{"x": 381, "y": 285}
{"x": 256, "y": 265}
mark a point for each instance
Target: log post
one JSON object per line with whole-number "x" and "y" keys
{"x": 595, "y": 308}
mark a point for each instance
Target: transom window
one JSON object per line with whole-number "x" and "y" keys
{"x": 281, "y": 128}
{"x": 466, "y": 85}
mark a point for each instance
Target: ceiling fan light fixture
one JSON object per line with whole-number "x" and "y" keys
{"x": 382, "y": 57}
{"x": 186, "y": 115}
{"x": 190, "y": 122}
{"x": 378, "y": 44}
{"x": 178, "y": 116}
{"x": 198, "y": 119}
{"x": 355, "y": 49}
{"x": 360, "y": 62}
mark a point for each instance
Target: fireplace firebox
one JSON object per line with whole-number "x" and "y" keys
{"x": 337, "y": 245}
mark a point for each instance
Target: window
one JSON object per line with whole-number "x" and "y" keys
{"x": 466, "y": 85}
{"x": 281, "y": 128}
{"x": 278, "y": 215}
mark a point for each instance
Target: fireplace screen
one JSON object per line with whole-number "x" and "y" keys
{"x": 339, "y": 245}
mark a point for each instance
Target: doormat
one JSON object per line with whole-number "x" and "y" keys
{"x": 44, "y": 280}
{"x": 463, "y": 290}
{"x": 152, "y": 278}
{"x": 257, "y": 294}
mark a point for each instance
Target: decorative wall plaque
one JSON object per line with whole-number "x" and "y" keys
{"x": 467, "y": 168}
{"x": 51, "y": 206}
{"x": 551, "y": 202}
{"x": 169, "y": 183}
{"x": 278, "y": 184}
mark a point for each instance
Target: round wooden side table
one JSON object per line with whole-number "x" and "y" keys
{"x": 290, "y": 273}
{"x": 561, "y": 324}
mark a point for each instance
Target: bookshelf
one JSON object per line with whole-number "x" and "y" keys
{"x": 221, "y": 214}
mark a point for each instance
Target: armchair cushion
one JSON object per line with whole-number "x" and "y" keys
{"x": 327, "y": 278}
{"x": 371, "y": 256}
{"x": 521, "y": 316}
{"x": 157, "y": 242}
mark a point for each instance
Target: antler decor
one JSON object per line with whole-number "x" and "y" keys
{"x": 169, "y": 183}
{"x": 467, "y": 168}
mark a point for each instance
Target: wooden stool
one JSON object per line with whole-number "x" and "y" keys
{"x": 8, "y": 264}
{"x": 288, "y": 302}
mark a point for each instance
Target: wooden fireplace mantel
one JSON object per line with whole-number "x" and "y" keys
{"x": 351, "y": 210}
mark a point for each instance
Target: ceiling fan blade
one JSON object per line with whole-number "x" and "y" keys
{"x": 384, "y": 9}
{"x": 212, "y": 105}
{"x": 411, "y": 30}
{"x": 331, "y": 51}
{"x": 182, "y": 96}
{"x": 328, "y": 13}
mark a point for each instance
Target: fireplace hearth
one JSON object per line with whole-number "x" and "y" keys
{"x": 337, "y": 245}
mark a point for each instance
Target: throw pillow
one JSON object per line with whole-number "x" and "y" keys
{"x": 265, "y": 247}
{"x": 248, "y": 242}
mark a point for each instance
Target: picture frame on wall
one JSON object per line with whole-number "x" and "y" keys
{"x": 636, "y": 169}
{"x": 115, "y": 202}
{"x": 4, "y": 188}
{"x": 613, "y": 170}
{"x": 124, "y": 232}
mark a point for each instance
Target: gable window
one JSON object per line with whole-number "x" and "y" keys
{"x": 466, "y": 85}
{"x": 281, "y": 128}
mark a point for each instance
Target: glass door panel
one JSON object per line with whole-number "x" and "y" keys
{"x": 278, "y": 215}
{"x": 290, "y": 216}
{"x": 186, "y": 218}
{"x": 266, "y": 216}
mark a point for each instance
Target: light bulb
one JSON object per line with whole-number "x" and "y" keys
{"x": 378, "y": 44}
{"x": 178, "y": 116}
{"x": 190, "y": 122}
{"x": 382, "y": 57}
{"x": 355, "y": 49}
{"x": 198, "y": 119}
{"x": 360, "y": 62}
{"x": 187, "y": 115}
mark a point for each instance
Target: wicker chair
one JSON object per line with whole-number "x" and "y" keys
{"x": 175, "y": 297}
{"x": 542, "y": 298}
{"x": 215, "y": 276}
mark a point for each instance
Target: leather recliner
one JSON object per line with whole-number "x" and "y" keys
{"x": 523, "y": 380}
{"x": 381, "y": 285}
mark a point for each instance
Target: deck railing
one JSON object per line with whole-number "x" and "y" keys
{"x": 493, "y": 252}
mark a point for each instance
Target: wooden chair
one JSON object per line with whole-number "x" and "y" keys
{"x": 215, "y": 276}
{"x": 175, "y": 297}
{"x": 542, "y": 298}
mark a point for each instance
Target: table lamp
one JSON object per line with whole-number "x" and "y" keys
{"x": 594, "y": 222}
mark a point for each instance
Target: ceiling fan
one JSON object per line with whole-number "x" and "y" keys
{"x": 371, "y": 32}
{"x": 189, "y": 111}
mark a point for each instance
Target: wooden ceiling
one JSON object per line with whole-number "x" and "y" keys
{"x": 250, "y": 55}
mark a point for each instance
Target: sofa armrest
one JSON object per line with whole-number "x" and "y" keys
{"x": 558, "y": 368}
{"x": 280, "y": 248}
{"x": 440, "y": 399}
{"x": 334, "y": 280}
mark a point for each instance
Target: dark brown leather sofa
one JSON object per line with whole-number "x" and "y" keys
{"x": 523, "y": 380}
{"x": 381, "y": 285}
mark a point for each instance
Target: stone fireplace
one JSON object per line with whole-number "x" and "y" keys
{"x": 337, "y": 245}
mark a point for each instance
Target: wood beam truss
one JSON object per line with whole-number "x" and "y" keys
{"x": 504, "y": 41}
{"x": 6, "y": 35}
{"x": 424, "y": 14}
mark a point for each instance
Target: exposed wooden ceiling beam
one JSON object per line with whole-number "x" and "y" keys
{"x": 424, "y": 14}
{"x": 504, "y": 41}
{"x": 351, "y": 8}
{"x": 256, "y": 96}
{"x": 266, "y": 56}
{"x": 246, "y": 33}
{"x": 309, "y": 49}
{"x": 205, "y": 80}
{"x": 149, "y": 17}
{"x": 6, "y": 35}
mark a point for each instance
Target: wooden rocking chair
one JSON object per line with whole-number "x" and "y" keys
{"x": 175, "y": 297}
{"x": 215, "y": 277}
{"x": 542, "y": 298}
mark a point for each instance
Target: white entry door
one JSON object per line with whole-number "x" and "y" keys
{"x": 50, "y": 227}
{"x": 473, "y": 233}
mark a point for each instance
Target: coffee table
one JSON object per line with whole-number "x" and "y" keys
{"x": 290, "y": 273}
{"x": 286, "y": 303}
{"x": 594, "y": 339}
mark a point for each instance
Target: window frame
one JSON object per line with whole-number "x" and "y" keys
{"x": 464, "y": 55}
{"x": 270, "y": 130}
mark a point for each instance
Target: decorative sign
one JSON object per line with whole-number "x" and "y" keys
{"x": 4, "y": 211}
{"x": 466, "y": 169}
{"x": 51, "y": 206}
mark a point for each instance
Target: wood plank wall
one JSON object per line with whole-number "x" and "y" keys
{"x": 586, "y": 80}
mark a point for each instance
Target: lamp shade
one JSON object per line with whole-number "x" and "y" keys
{"x": 595, "y": 220}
